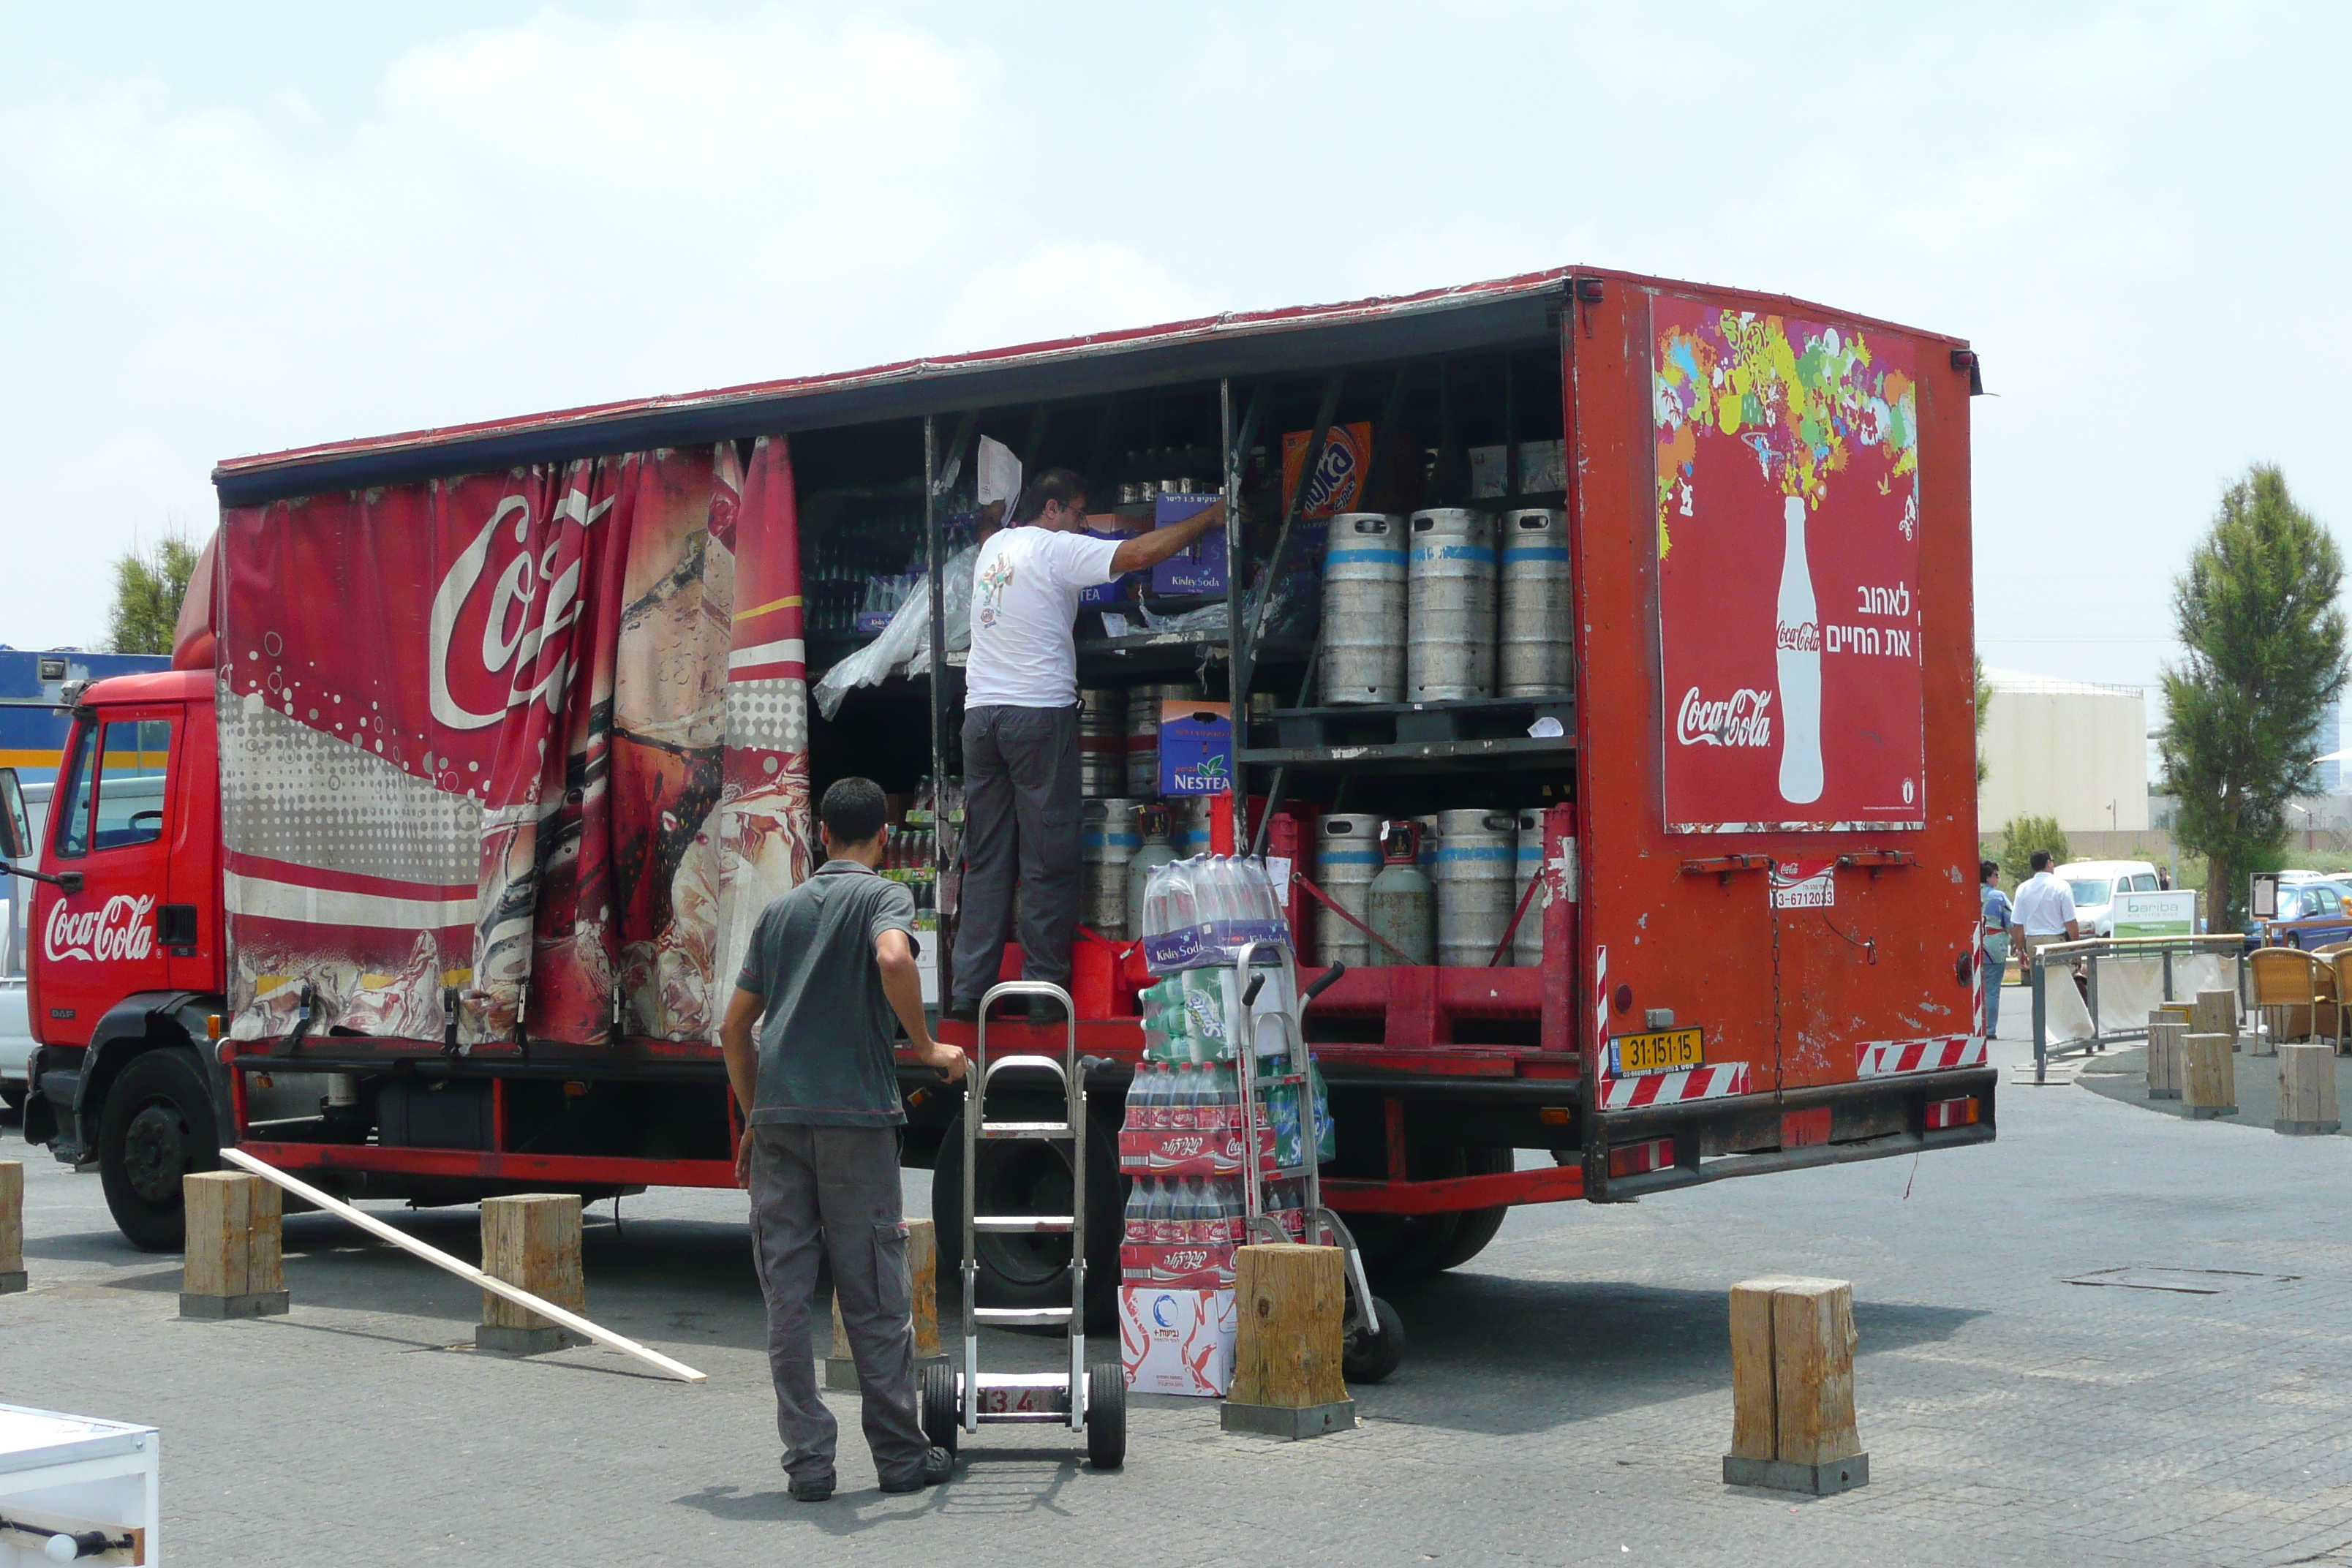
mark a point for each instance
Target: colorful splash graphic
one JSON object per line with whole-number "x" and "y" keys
{"x": 1788, "y": 515}
{"x": 1802, "y": 398}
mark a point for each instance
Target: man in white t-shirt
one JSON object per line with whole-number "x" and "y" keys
{"x": 2044, "y": 907}
{"x": 1021, "y": 729}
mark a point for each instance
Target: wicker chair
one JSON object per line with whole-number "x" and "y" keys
{"x": 2285, "y": 977}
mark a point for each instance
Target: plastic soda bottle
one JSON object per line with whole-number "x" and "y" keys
{"x": 1165, "y": 1230}
{"x": 1180, "y": 1097}
{"x": 1138, "y": 1213}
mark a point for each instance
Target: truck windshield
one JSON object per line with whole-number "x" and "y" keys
{"x": 2089, "y": 892}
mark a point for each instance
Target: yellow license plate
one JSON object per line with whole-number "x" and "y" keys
{"x": 1660, "y": 1050}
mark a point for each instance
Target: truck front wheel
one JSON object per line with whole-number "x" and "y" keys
{"x": 157, "y": 1127}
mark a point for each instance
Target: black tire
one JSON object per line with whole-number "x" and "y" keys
{"x": 1370, "y": 1357}
{"x": 156, "y": 1128}
{"x": 1477, "y": 1227}
{"x": 1106, "y": 1418}
{"x": 940, "y": 1425}
{"x": 1026, "y": 1176}
{"x": 13, "y": 1095}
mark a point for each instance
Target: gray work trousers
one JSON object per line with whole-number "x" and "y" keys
{"x": 1021, "y": 817}
{"x": 840, "y": 1183}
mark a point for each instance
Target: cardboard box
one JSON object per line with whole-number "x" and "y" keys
{"x": 1196, "y": 747}
{"x": 1542, "y": 466}
{"x": 1118, "y": 590}
{"x": 1200, "y": 567}
{"x": 1176, "y": 1341}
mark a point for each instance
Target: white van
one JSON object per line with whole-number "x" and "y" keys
{"x": 2095, "y": 883}
{"x": 15, "y": 1027}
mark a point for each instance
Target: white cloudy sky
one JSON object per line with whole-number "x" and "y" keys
{"x": 281, "y": 223}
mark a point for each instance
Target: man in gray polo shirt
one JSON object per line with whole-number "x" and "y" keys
{"x": 829, "y": 965}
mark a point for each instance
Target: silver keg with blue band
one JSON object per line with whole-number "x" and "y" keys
{"x": 1537, "y": 651}
{"x": 1363, "y": 609}
{"x": 1450, "y": 598}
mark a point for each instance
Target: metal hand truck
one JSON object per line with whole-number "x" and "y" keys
{"x": 1092, "y": 1400}
{"x": 1375, "y": 1334}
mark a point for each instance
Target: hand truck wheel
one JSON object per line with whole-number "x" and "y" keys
{"x": 1106, "y": 1418}
{"x": 940, "y": 1425}
{"x": 1371, "y": 1356}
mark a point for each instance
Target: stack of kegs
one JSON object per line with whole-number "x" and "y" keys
{"x": 1449, "y": 604}
{"x": 1478, "y": 863}
{"x": 1102, "y": 742}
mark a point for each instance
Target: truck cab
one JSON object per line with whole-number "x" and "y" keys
{"x": 123, "y": 960}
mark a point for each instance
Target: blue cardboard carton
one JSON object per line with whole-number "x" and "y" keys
{"x": 1196, "y": 747}
{"x": 1118, "y": 590}
{"x": 1200, "y": 569}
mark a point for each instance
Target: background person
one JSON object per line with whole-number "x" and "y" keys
{"x": 830, "y": 964}
{"x": 1021, "y": 731}
{"x": 2044, "y": 908}
{"x": 1998, "y": 924}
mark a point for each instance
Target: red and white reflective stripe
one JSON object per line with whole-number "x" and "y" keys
{"x": 1977, "y": 982}
{"x": 1672, "y": 1087}
{"x": 1884, "y": 1058}
{"x": 1600, "y": 992}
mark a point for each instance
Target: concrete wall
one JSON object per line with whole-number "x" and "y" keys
{"x": 2067, "y": 750}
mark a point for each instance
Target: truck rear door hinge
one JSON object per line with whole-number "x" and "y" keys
{"x": 1722, "y": 868}
{"x": 1876, "y": 860}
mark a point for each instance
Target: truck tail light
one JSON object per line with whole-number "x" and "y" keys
{"x": 1943, "y": 1113}
{"x": 1634, "y": 1159}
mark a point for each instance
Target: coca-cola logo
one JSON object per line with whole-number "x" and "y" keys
{"x": 1738, "y": 719}
{"x": 1802, "y": 637}
{"x": 499, "y": 603}
{"x": 119, "y": 929}
{"x": 1181, "y": 1148}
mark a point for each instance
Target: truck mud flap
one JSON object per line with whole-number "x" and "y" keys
{"x": 1659, "y": 1147}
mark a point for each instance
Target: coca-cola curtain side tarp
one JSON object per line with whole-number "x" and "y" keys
{"x": 536, "y": 739}
{"x": 1788, "y": 492}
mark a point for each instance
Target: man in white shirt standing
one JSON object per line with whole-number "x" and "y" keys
{"x": 2044, "y": 907}
{"x": 1021, "y": 729}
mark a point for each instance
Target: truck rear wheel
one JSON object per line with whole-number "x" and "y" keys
{"x": 1414, "y": 1247}
{"x": 156, "y": 1128}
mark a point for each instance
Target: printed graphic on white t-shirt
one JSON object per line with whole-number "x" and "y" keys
{"x": 1024, "y": 598}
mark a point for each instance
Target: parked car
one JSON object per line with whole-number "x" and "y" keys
{"x": 2095, "y": 883}
{"x": 2310, "y": 914}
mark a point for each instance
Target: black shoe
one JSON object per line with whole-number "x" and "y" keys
{"x": 812, "y": 1489}
{"x": 937, "y": 1464}
{"x": 962, "y": 1010}
{"x": 1046, "y": 1011}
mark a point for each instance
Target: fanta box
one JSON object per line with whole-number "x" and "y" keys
{"x": 1340, "y": 482}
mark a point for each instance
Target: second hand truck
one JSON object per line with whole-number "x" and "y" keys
{"x": 1374, "y": 1343}
{"x": 1092, "y": 1400}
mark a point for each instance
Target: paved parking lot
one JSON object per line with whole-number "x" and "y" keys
{"x": 1565, "y": 1398}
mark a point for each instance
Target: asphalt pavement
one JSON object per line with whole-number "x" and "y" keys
{"x": 2109, "y": 1337}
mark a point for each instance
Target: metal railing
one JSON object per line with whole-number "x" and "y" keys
{"x": 2088, "y": 952}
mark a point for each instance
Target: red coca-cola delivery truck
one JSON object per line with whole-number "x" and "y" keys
{"x": 426, "y": 870}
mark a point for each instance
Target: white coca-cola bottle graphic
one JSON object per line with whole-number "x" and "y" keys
{"x": 1797, "y": 648}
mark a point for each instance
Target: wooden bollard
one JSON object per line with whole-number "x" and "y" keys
{"x": 923, "y": 1289}
{"x": 1292, "y": 1304}
{"x": 12, "y": 1228}
{"x": 2306, "y": 1081}
{"x": 2164, "y": 1034}
{"x": 1792, "y": 1430}
{"x": 2208, "y": 1080}
{"x": 235, "y": 1267}
{"x": 533, "y": 1241}
{"x": 2215, "y": 1013}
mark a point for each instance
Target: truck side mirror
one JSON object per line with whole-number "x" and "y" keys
{"x": 15, "y": 828}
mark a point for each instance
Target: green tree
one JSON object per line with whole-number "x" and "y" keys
{"x": 1984, "y": 705}
{"x": 2020, "y": 836}
{"x": 148, "y": 588}
{"x": 2257, "y": 613}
